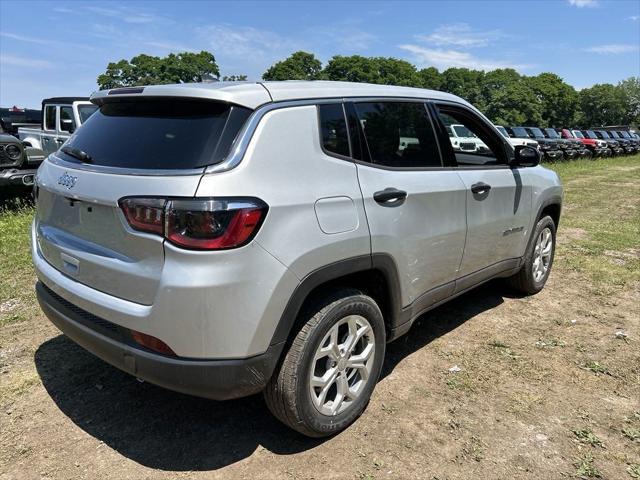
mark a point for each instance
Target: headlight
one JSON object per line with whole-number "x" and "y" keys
{"x": 13, "y": 152}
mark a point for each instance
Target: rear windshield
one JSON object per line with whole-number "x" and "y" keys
{"x": 158, "y": 134}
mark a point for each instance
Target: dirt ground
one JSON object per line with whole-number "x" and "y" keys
{"x": 548, "y": 388}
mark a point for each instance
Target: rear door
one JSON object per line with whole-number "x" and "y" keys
{"x": 415, "y": 205}
{"x": 498, "y": 202}
{"x": 143, "y": 149}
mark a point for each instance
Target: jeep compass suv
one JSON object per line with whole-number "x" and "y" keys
{"x": 229, "y": 238}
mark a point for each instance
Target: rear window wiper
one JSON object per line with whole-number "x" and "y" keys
{"x": 77, "y": 153}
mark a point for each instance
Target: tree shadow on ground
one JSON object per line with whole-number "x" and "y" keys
{"x": 170, "y": 431}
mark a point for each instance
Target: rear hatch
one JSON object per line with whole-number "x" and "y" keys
{"x": 145, "y": 148}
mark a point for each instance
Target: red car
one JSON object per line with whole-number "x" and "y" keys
{"x": 597, "y": 147}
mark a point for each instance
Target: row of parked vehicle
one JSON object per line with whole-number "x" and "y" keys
{"x": 554, "y": 144}
{"x": 567, "y": 144}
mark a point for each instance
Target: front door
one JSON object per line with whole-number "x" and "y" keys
{"x": 414, "y": 205}
{"x": 498, "y": 203}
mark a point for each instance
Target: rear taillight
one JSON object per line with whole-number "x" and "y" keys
{"x": 144, "y": 214}
{"x": 197, "y": 224}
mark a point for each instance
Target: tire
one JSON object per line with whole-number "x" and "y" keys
{"x": 289, "y": 395}
{"x": 530, "y": 279}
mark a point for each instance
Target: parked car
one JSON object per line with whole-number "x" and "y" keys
{"x": 613, "y": 145}
{"x": 222, "y": 239}
{"x": 548, "y": 147}
{"x": 61, "y": 116}
{"x": 628, "y": 144}
{"x": 624, "y": 136}
{"x": 16, "y": 117}
{"x": 464, "y": 140}
{"x": 598, "y": 148}
{"x": 624, "y": 147}
{"x": 16, "y": 168}
{"x": 516, "y": 141}
{"x": 572, "y": 148}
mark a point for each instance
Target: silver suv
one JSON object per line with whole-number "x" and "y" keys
{"x": 229, "y": 238}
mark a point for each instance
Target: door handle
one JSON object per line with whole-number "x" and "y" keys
{"x": 480, "y": 188}
{"x": 389, "y": 196}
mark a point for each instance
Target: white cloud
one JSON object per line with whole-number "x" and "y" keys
{"x": 613, "y": 49}
{"x": 635, "y": 18}
{"x": 242, "y": 41}
{"x": 24, "y": 38}
{"x": 583, "y": 3}
{"x": 24, "y": 62}
{"x": 172, "y": 47}
{"x": 127, "y": 15}
{"x": 461, "y": 35}
{"x": 442, "y": 59}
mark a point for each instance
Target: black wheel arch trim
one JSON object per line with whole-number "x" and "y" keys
{"x": 381, "y": 262}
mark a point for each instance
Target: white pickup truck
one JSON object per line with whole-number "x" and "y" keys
{"x": 462, "y": 139}
{"x": 61, "y": 116}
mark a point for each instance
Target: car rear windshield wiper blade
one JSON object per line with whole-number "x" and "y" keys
{"x": 76, "y": 153}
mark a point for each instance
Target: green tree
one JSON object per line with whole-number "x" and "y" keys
{"x": 558, "y": 100}
{"x": 464, "y": 83}
{"x": 602, "y": 104}
{"x": 631, "y": 92}
{"x": 186, "y": 67}
{"x": 430, "y": 78}
{"x": 299, "y": 66}
{"x": 508, "y": 99}
{"x": 380, "y": 70}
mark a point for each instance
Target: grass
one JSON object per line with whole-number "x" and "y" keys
{"x": 16, "y": 282}
{"x": 601, "y": 217}
{"x": 585, "y": 467}
{"x": 587, "y": 437}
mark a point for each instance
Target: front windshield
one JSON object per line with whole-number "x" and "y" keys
{"x": 552, "y": 133}
{"x": 591, "y": 134}
{"x": 577, "y": 134}
{"x": 520, "y": 132}
{"x": 624, "y": 134}
{"x": 462, "y": 131}
{"x": 605, "y": 134}
{"x": 503, "y": 131}
{"x": 536, "y": 132}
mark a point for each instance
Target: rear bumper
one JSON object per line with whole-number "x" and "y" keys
{"x": 215, "y": 379}
{"x": 17, "y": 177}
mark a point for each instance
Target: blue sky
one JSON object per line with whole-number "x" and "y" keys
{"x": 59, "y": 48}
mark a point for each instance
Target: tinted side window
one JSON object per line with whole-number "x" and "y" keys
{"x": 50, "y": 117}
{"x": 398, "y": 134}
{"x": 474, "y": 143}
{"x": 333, "y": 129}
{"x": 67, "y": 123}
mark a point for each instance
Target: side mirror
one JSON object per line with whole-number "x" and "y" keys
{"x": 526, "y": 156}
